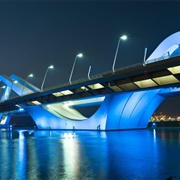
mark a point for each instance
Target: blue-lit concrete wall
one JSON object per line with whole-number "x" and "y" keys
{"x": 132, "y": 109}
{"x": 46, "y": 120}
{"x": 129, "y": 110}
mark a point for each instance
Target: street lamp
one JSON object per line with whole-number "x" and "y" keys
{"x": 124, "y": 37}
{"x": 30, "y": 75}
{"x": 3, "y": 87}
{"x": 50, "y": 67}
{"x": 80, "y": 56}
{"x": 14, "y": 82}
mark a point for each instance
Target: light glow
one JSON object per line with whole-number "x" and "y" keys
{"x": 80, "y": 55}
{"x": 85, "y": 101}
{"x": 145, "y": 83}
{"x": 96, "y": 86}
{"x": 36, "y": 102}
{"x": 21, "y": 109}
{"x": 174, "y": 70}
{"x": 84, "y": 88}
{"x": 51, "y": 67}
{"x": 3, "y": 120}
{"x": 62, "y": 93}
{"x": 165, "y": 80}
{"x": 124, "y": 37}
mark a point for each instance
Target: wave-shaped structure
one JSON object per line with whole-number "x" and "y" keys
{"x": 170, "y": 47}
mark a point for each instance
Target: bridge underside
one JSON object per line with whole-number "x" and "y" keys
{"x": 127, "y": 110}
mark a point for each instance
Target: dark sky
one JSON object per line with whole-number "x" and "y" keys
{"x": 36, "y": 34}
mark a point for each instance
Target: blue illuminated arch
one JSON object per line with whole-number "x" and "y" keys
{"x": 166, "y": 49}
{"x": 129, "y": 110}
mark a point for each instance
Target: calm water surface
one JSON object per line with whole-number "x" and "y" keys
{"x": 125, "y": 155}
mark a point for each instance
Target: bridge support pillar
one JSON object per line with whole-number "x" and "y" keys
{"x": 131, "y": 110}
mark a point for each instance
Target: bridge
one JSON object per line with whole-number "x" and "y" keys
{"x": 127, "y": 97}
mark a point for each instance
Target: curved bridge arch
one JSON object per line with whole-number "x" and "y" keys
{"x": 166, "y": 48}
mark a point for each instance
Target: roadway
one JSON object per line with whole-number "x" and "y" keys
{"x": 165, "y": 73}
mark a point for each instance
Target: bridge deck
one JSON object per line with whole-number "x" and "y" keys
{"x": 162, "y": 73}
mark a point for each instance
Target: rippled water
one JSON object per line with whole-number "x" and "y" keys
{"x": 48, "y": 155}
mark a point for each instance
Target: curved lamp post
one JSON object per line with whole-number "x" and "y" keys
{"x": 14, "y": 82}
{"x": 89, "y": 72}
{"x": 80, "y": 56}
{"x": 124, "y": 37}
{"x": 1, "y": 89}
{"x": 50, "y": 67}
{"x": 30, "y": 75}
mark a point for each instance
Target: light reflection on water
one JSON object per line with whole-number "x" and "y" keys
{"x": 136, "y": 154}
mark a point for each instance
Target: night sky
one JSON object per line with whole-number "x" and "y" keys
{"x": 36, "y": 34}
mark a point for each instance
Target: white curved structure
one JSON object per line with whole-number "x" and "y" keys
{"x": 165, "y": 49}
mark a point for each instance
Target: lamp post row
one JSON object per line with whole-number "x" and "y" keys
{"x": 80, "y": 55}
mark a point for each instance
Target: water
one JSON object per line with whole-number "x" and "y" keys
{"x": 90, "y": 155}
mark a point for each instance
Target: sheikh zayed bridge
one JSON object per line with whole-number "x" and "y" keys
{"x": 127, "y": 97}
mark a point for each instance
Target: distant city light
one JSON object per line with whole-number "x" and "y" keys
{"x": 163, "y": 117}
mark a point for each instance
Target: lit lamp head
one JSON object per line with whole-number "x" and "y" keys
{"x": 51, "y": 67}
{"x": 124, "y": 37}
{"x": 80, "y": 55}
{"x": 30, "y": 75}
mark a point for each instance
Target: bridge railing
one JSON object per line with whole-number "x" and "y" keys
{"x": 93, "y": 77}
{"x": 164, "y": 57}
{"x": 100, "y": 75}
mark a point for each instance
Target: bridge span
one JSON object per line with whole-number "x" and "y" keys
{"x": 127, "y": 97}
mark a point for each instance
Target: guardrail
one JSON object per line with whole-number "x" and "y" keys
{"x": 100, "y": 75}
{"x": 164, "y": 57}
{"x": 93, "y": 77}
